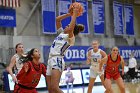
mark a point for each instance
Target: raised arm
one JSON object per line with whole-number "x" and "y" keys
{"x": 73, "y": 21}
{"x": 60, "y": 18}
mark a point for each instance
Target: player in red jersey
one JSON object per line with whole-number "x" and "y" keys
{"x": 112, "y": 62}
{"x": 29, "y": 76}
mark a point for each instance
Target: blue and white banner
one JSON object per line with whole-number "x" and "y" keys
{"x": 118, "y": 18}
{"x": 63, "y": 9}
{"x": 74, "y": 53}
{"x": 86, "y": 74}
{"x": 84, "y": 18}
{"x": 49, "y": 16}
{"x": 98, "y": 17}
{"x": 7, "y": 17}
{"x": 129, "y": 19}
{"x": 125, "y": 51}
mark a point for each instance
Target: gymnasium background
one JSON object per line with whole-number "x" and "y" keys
{"x": 32, "y": 22}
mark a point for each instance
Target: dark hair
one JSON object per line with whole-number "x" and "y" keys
{"x": 18, "y": 45}
{"x": 78, "y": 28}
{"x": 27, "y": 57}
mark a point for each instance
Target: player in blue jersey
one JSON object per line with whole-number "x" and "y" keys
{"x": 60, "y": 44}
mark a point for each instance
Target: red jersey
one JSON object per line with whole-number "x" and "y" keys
{"x": 32, "y": 76}
{"x": 112, "y": 68}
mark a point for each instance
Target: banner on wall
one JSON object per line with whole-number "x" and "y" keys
{"x": 98, "y": 16}
{"x": 74, "y": 53}
{"x": 7, "y": 17}
{"x": 118, "y": 18}
{"x": 49, "y": 16}
{"x": 125, "y": 51}
{"x": 129, "y": 19}
{"x": 63, "y": 9}
{"x": 84, "y": 18}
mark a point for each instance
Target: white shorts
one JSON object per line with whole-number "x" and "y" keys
{"x": 94, "y": 72}
{"x": 56, "y": 62}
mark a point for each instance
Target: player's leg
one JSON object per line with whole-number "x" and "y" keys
{"x": 102, "y": 80}
{"x": 55, "y": 79}
{"x": 48, "y": 78}
{"x": 90, "y": 85}
{"x": 120, "y": 84}
{"x": 108, "y": 86}
{"x": 57, "y": 69}
{"x": 91, "y": 80}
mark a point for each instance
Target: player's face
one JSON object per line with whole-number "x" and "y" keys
{"x": 36, "y": 54}
{"x": 95, "y": 45}
{"x": 115, "y": 51}
{"x": 20, "y": 49}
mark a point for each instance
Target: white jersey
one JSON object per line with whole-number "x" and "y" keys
{"x": 94, "y": 57}
{"x": 68, "y": 74}
{"x": 61, "y": 43}
{"x": 18, "y": 64}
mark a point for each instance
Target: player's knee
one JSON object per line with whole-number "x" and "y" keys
{"x": 122, "y": 88}
{"x": 108, "y": 88}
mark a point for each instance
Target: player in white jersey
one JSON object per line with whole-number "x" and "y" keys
{"x": 14, "y": 64}
{"x": 61, "y": 43}
{"x": 93, "y": 56}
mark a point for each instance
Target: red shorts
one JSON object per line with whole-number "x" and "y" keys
{"x": 112, "y": 75}
{"x": 18, "y": 89}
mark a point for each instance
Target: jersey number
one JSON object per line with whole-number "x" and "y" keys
{"x": 53, "y": 44}
{"x": 95, "y": 59}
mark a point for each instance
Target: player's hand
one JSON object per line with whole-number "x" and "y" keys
{"x": 26, "y": 67}
{"x": 99, "y": 60}
{"x": 122, "y": 72}
{"x": 100, "y": 69}
{"x": 14, "y": 79}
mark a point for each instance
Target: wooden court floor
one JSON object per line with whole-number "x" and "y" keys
{"x": 129, "y": 87}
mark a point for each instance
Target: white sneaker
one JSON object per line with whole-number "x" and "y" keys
{"x": 133, "y": 81}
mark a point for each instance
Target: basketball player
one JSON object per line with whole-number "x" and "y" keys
{"x": 29, "y": 76}
{"x": 112, "y": 62}
{"x": 14, "y": 64}
{"x": 69, "y": 78}
{"x": 93, "y": 55}
{"x": 61, "y": 43}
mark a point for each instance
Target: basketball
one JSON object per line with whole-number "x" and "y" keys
{"x": 76, "y": 4}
